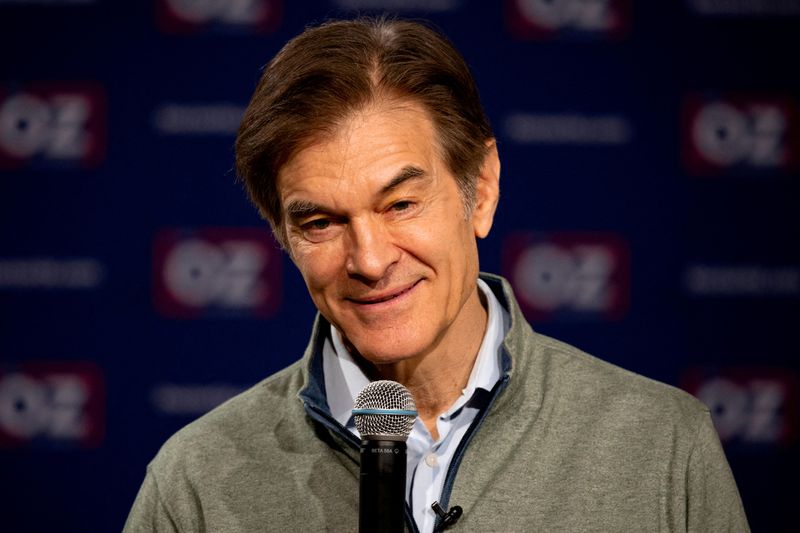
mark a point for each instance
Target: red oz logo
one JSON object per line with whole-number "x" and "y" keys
{"x": 739, "y": 135}
{"x": 749, "y": 405}
{"x": 544, "y": 19}
{"x": 191, "y": 16}
{"x": 568, "y": 274}
{"x": 52, "y": 124}
{"x": 217, "y": 271}
{"x": 52, "y": 404}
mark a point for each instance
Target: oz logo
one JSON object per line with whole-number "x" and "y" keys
{"x": 750, "y": 406}
{"x": 216, "y": 271}
{"x": 190, "y": 16}
{"x": 542, "y": 19}
{"x": 737, "y": 135}
{"x": 52, "y": 125}
{"x": 52, "y": 404}
{"x": 568, "y": 274}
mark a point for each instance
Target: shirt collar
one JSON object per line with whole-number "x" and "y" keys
{"x": 344, "y": 379}
{"x": 486, "y": 370}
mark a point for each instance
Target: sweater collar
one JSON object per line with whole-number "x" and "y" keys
{"x": 313, "y": 392}
{"x": 344, "y": 379}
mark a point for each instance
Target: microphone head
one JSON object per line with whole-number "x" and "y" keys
{"x": 385, "y": 410}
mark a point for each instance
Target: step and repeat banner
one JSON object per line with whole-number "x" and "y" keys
{"x": 649, "y": 215}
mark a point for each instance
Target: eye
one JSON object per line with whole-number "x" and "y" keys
{"x": 401, "y": 205}
{"x": 318, "y": 224}
{"x": 320, "y": 229}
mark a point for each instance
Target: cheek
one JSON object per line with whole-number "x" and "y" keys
{"x": 463, "y": 257}
{"x": 433, "y": 231}
{"x": 317, "y": 267}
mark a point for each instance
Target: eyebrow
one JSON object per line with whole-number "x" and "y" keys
{"x": 407, "y": 173}
{"x": 300, "y": 209}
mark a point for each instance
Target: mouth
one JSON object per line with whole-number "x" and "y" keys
{"x": 384, "y": 297}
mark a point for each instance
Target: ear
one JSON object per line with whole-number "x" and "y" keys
{"x": 487, "y": 192}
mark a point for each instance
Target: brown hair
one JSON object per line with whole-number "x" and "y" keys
{"x": 328, "y": 72}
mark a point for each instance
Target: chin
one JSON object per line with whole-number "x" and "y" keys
{"x": 386, "y": 354}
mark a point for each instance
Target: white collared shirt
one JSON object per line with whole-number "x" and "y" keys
{"x": 428, "y": 460}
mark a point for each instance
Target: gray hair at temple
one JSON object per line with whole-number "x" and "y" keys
{"x": 331, "y": 71}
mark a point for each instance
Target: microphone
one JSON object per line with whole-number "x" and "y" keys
{"x": 384, "y": 414}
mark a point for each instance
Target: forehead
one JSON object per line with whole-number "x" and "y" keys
{"x": 373, "y": 143}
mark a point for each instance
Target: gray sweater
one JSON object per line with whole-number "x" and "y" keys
{"x": 568, "y": 443}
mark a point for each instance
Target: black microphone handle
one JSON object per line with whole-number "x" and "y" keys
{"x": 382, "y": 487}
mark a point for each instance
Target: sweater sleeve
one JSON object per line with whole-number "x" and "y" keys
{"x": 149, "y": 514}
{"x": 712, "y": 499}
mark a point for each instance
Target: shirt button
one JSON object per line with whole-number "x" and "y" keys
{"x": 431, "y": 460}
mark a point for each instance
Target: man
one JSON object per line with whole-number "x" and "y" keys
{"x": 366, "y": 149}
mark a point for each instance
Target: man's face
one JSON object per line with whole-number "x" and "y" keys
{"x": 377, "y": 228}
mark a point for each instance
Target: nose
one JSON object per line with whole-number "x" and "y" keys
{"x": 371, "y": 250}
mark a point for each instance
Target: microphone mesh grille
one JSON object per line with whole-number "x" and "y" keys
{"x": 385, "y": 394}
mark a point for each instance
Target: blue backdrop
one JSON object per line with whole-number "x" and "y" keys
{"x": 649, "y": 215}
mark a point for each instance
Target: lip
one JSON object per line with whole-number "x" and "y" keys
{"x": 384, "y": 297}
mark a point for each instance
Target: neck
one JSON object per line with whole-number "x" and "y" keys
{"x": 436, "y": 378}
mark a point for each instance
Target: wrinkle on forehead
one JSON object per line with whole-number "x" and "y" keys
{"x": 336, "y": 149}
{"x": 382, "y": 102}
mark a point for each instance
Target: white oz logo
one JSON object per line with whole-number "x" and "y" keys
{"x": 57, "y": 127}
{"x": 725, "y": 135}
{"x": 751, "y": 412}
{"x": 591, "y": 15}
{"x": 199, "y": 273}
{"x": 52, "y": 406}
{"x": 551, "y": 277}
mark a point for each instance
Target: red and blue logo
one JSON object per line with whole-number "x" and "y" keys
{"x": 52, "y": 125}
{"x": 52, "y": 405}
{"x": 568, "y": 19}
{"x": 196, "y": 16}
{"x": 569, "y": 275}
{"x": 740, "y": 135}
{"x": 216, "y": 272}
{"x": 751, "y": 406}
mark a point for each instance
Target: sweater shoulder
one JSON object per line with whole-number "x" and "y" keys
{"x": 596, "y": 383}
{"x": 242, "y": 425}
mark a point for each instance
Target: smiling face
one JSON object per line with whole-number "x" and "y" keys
{"x": 377, "y": 227}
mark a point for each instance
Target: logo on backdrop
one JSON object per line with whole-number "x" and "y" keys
{"x": 750, "y": 406}
{"x": 568, "y": 128}
{"x": 579, "y": 19}
{"x": 401, "y": 5}
{"x": 744, "y": 8}
{"x": 52, "y": 405}
{"x": 569, "y": 275}
{"x": 216, "y": 118}
{"x": 60, "y": 3}
{"x": 707, "y": 280}
{"x": 216, "y": 272}
{"x": 740, "y": 135}
{"x": 49, "y": 273}
{"x": 195, "y": 16}
{"x": 191, "y": 399}
{"x": 52, "y": 125}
